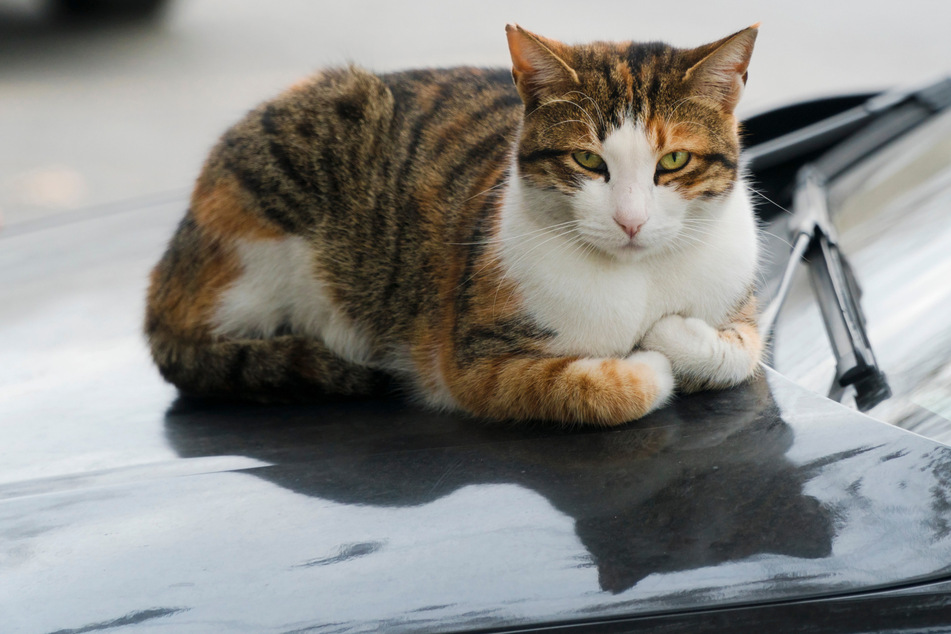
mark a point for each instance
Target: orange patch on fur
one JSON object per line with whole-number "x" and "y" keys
{"x": 564, "y": 389}
{"x": 671, "y": 136}
{"x": 656, "y": 131}
{"x": 186, "y": 308}
{"x": 217, "y": 207}
{"x": 624, "y": 74}
{"x": 748, "y": 312}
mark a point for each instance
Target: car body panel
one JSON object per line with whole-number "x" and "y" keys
{"x": 123, "y": 506}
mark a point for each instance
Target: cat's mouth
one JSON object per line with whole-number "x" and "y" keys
{"x": 625, "y": 251}
{"x": 632, "y": 245}
{"x": 617, "y": 247}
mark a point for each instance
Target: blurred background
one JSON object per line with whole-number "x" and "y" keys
{"x": 99, "y": 114}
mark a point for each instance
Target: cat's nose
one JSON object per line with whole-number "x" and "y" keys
{"x": 630, "y": 225}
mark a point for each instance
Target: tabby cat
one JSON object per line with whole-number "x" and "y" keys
{"x": 569, "y": 248}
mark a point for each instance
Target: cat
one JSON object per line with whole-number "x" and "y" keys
{"x": 569, "y": 248}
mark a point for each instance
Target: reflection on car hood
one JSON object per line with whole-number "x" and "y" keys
{"x": 122, "y": 505}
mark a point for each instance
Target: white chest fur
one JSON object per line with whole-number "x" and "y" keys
{"x": 599, "y": 306}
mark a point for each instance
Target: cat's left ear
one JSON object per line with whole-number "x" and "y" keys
{"x": 721, "y": 73}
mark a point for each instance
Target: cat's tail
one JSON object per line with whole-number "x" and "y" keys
{"x": 280, "y": 369}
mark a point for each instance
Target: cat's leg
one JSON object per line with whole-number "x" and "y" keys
{"x": 569, "y": 390}
{"x": 704, "y": 357}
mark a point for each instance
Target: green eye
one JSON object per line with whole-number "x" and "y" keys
{"x": 673, "y": 161}
{"x": 589, "y": 161}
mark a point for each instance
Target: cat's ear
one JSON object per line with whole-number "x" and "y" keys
{"x": 538, "y": 64}
{"x": 720, "y": 74}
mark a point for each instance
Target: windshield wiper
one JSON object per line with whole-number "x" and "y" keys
{"x": 837, "y": 292}
{"x": 880, "y": 121}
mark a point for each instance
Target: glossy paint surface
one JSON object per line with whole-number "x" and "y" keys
{"x": 122, "y": 506}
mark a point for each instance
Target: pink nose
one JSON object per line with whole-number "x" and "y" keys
{"x": 631, "y": 227}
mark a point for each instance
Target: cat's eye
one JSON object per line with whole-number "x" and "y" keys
{"x": 589, "y": 161}
{"x": 673, "y": 161}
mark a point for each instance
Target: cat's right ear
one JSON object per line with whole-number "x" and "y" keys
{"x": 538, "y": 65}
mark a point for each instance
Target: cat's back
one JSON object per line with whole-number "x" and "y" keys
{"x": 347, "y": 143}
{"x": 361, "y": 183}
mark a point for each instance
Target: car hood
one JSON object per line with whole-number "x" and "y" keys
{"x": 123, "y": 505}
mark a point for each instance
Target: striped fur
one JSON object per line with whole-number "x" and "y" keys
{"x": 433, "y": 226}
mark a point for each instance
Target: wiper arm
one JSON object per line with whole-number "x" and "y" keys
{"x": 836, "y": 291}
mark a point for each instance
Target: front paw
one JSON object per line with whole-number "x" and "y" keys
{"x": 699, "y": 355}
{"x": 685, "y": 341}
{"x": 661, "y": 373}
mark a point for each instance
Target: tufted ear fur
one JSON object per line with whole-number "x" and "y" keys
{"x": 538, "y": 64}
{"x": 721, "y": 73}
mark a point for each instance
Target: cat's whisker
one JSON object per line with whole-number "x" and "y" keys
{"x": 572, "y": 240}
{"x": 591, "y": 127}
{"x": 691, "y": 236}
{"x": 780, "y": 238}
{"x": 551, "y": 102}
{"x": 594, "y": 103}
{"x": 501, "y": 240}
{"x": 527, "y": 253}
{"x": 676, "y": 124}
{"x": 701, "y": 224}
{"x": 685, "y": 242}
{"x": 752, "y": 189}
{"x": 678, "y": 104}
{"x": 503, "y": 183}
{"x": 589, "y": 249}
{"x": 565, "y": 122}
{"x": 699, "y": 229}
{"x": 496, "y": 257}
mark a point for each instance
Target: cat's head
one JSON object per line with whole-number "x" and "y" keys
{"x": 631, "y": 146}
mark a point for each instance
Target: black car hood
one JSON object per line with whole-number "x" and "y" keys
{"x": 125, "y": 506}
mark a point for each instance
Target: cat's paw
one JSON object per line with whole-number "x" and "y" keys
{"x": 663, "y": 375}
{"x": 699, "y": 356}
{"x": 681, "y": 339}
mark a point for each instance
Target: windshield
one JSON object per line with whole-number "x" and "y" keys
{"x": 892, "y": 216}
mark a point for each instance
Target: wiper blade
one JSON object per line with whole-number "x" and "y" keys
{"x": 865, "y": 129}
{"x": 837, "y": 293}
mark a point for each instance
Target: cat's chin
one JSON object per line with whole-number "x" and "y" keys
{"x": 628, "y": 251}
